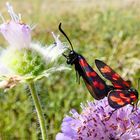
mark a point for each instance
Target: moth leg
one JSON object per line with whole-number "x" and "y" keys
{"x": 134, "y": 106}
{"x": 133, "y": 109}
{"x": 77, "y": 77}
{"x": 113, "y": 112}
{"x": 110, "y": 114}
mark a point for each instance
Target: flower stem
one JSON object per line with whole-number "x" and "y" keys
{"x": 38, "y": 110}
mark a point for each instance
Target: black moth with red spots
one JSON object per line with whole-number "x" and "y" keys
{"x": 96, "y": 85}
{"x": 119, "y": 95}
{"x": 123, "y": 93}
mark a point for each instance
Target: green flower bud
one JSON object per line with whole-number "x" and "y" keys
{"x": 24, "y": 62}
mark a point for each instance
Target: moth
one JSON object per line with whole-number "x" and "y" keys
{"x": 119, "y": 95}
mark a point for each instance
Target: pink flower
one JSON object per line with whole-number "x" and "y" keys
{"x": 15, "y": 32}
{"x": 92, "y": 123}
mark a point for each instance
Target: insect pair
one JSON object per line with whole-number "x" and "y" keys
{"x": 119, "y": 95}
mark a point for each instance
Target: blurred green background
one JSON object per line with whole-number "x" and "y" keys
{"x": 107, "y": 29}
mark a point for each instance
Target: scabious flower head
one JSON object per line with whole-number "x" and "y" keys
{"x": 94, "y": 123}
{"x": 23, "y": 57}
{"x": 15, "y": 32}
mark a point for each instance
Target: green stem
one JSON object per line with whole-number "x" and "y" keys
{"x": 38, "y": 110}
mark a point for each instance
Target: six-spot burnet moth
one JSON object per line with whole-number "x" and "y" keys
{"x": 119, "y": 95}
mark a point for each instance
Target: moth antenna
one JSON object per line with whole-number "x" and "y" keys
{"x": 64, "y": 55}
{"x": 61, "y": 30}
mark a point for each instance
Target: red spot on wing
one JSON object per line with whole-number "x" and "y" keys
{"x": 111, "y": 75}
{"x": 133, "y": 96}
{"x": 117, "y": 86}
{"x": 115, "y": 76}
{"x": 117, "y": 100}
{"x": 83, "y": 62}
{"x": 98, "y": 85}
{"x": 91, "y": 74}
{"x": 106, "y": 69}
{"x": 124, "y": 97}
{"x": 126, "y": 83}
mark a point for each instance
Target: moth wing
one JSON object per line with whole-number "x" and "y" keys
{"x": 96, "y": 92}
{"x": 94, "y": 83}
{"x": 111, "y": 75}
{"x": 118, "y": 98}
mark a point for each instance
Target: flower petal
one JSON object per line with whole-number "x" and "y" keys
{"x": 16, "y": 33}
{"x": 54, "y": 51}
{"x": 61, "y": 136}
